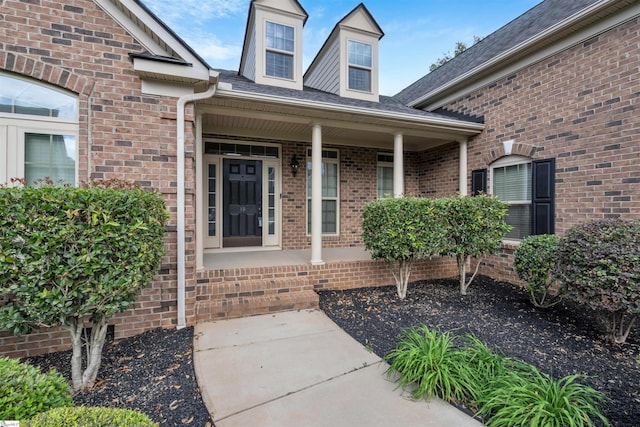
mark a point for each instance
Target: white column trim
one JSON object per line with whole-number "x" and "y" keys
{"x": 398, "y": 165}
{"x": 316, "y": 195}
{"x": 463, "y": 168}
{"x": 199, "y": 187}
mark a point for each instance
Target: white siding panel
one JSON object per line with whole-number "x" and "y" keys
{"x": 326, "y": 73}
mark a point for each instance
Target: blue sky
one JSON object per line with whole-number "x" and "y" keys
{"x": 417, "y": 32}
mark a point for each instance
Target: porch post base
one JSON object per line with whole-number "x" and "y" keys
{"x": 321, "y": 262}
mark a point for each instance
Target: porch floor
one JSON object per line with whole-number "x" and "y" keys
{"x": 225, "y": 260}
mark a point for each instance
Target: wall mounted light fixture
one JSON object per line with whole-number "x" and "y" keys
{"x": 295, "y": 164}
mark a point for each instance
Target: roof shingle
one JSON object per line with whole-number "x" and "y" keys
{"x": 526, "y": 26}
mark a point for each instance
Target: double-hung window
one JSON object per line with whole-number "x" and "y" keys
{"x": 528, "y": 187}
{"x": 280, "y": 45}
{"x": 38, "y": 132}
{"x": 330, "y": 191}
{"x": 385, "y": 175}
{"x": 360, "y": 64}
{"x": 511, "y": 183}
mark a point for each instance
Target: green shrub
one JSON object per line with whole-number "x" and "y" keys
{"x": 530, "y": 398}
{"x": 508, "y": 392}
{"x": 90, "y": 417}
{"x": 401, "y": 231}
{"x": 599, "y": 262}
{"x": 430, "y": 361}
{"x": 75, "y": 255}
{"x": 535, "y": 261}
{"x": 475, "y": 227}
{"x": 25, "y": 391}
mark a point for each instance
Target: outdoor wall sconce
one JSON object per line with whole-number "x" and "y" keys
{"x": 295, "y": 164}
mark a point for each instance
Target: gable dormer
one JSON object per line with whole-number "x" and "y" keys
{"x": 347, "y": 63}
{"x": 272, "y": 51}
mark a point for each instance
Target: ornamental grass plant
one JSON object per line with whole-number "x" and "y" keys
{"x": 503, "y": 391}
{"x": 431, "y": 365}
{"x": 532, "y": 398}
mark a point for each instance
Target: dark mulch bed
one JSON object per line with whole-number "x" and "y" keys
{"x": 151, "y": 373}
{"x": 562, "y": 340}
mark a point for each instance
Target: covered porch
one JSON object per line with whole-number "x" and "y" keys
{"x": 279, "y": 258}
{"x": 300, "y": 230}
{"x": 314, "y": 156}
{"x": 237, "y": 284}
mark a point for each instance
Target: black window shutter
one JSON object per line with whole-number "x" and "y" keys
{"x": 543, "y": 196}
{"x": 478, "y": 181}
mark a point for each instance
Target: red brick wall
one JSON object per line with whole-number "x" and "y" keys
{"x": 123, "y": 133}
{"x": 358, "y": 186}
{"x": 579, "y": 107}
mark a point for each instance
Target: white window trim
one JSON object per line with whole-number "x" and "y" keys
{"x": 384, "y": 165}
{"x": 292, "y": 53}
{"x": 14, "y": 127}
{"x": 510, "y": 160}
{"x": 361, "y": 67}
{"x": 13, "y": 140}
{"x": 336, "y": 198}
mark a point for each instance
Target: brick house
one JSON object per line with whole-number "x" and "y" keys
{"x": 266, "y": 170}
{"x": 557, "y": 90}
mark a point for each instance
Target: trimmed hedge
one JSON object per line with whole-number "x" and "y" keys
{"x": 401, "y": 231}
{"x": 475, "y": 227}
{"x": 73, "y": 256}
{"x": 25, "y": 391}
{"x": 81, "y": 416}
{"x": 599, "y": 262}
{"x": 535, "y": 262}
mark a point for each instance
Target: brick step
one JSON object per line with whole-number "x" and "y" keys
{"x": 214, "y": 309}
{"x": 255, "y": 288}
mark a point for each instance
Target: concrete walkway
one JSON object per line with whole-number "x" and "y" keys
{"x": 300, "y": 369}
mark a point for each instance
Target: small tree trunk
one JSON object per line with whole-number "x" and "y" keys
{"x": 462, "y": 273}
{"x": 402, "y": 276}
{"x": 619, "y": 332}
{"x": 75, "y": 328}
{"x": 94, "y": 353}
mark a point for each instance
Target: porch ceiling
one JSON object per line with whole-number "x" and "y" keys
{"x": 224, "y": 115}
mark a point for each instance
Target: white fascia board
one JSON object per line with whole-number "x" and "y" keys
{"x": 171, "y": 47}
{"x": 281, "y": 12}
{"x": 422, "y": 102}
{"x": 185, "y": 72}
{"x": 472, "y": 128}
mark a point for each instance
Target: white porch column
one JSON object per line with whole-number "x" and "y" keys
{"x": 398, "y": 165}
{"x": 463, "y": 168}
{"x": 199, "y": 196}
{"x": 316, "y": 195}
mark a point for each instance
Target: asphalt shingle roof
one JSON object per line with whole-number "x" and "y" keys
{"x": 386, "y": 104}
{"x": 526, "y": 26}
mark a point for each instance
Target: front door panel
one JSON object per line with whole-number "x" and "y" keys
{"x": 242, "y": 204}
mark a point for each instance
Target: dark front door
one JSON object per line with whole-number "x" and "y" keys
{"x": 242, "y": 200}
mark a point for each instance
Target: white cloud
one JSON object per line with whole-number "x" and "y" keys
{"x": 216, "y": 53}
{"x": 174, "y": 12}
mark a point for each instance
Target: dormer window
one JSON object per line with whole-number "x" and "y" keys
{"x": 280, "y": 46}
{"x": 359, "y": 66}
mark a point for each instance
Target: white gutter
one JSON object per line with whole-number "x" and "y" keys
{"x": 182, "y": 102}
{"x": 451, "y": 124}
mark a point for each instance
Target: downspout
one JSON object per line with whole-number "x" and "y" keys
{"x": 182, "y": 102}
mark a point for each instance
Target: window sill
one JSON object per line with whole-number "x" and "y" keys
{"x": 510, "y": 244}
